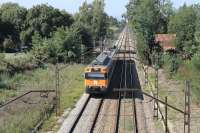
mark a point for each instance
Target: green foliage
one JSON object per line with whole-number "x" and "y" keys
{"x": 14, "y": 14}
{"x": 98, "y": 29}
{"x": 8, "y": 44}
{"x": 12, "y": 18}
{"x": 172, "y": 63}
{"x": 19, "y": 26}
{"x": 40, "y": 47}
{"x": 196, "y": 61}
{"x": 95, "y": 20}
{"x": 84, "y": 32}
{"x": 44, "y": 19}
{"x": 142, "y": 48}
{"x": 66, "y": 43}
{"x": 148, "y": 17}
{"x": 71, "y": 86}
{"x": 63, "y": 45}
{"x": 197, "y": 28}
{"x": 85, "y": 15}
{"x": 166, "y": 11}
{"x": 182, "y": 23}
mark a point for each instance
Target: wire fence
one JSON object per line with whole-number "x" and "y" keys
{"x": 27, "y": 112}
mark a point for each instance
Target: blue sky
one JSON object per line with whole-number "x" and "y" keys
{"x": 113, "y": 7}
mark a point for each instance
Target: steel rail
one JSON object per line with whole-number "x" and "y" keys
{"x": 133, "y": 99}
{"x": 135, "y": 123}
{"x": 125, "y": 81}
{"x": 79, "y": 114}
{"x": 152, "y": 97}
{"x": 117, "y": 118}
{"x": 87, "y": 101}
{"x": 96, "y": 115}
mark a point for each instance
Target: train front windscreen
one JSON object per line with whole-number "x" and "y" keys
{"x": 95, "y": 76}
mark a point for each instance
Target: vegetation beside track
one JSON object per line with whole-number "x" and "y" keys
{"x": 71, "y": 85}
{"x": 173, "y": 88}
{"x": 148, "y": 18}
{"x": 187, "y": 71}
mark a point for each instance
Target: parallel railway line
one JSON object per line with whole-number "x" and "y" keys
{"x": 99, "y": 106}
{"x": 79, "y": 114}
{"x": 126, "y": 73}
{"x": 97, "y": 116}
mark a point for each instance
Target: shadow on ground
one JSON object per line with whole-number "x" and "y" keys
{"x": 125, "y": 76}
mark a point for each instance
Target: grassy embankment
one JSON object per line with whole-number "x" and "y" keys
{"x": 173, "y": 86}
{"x": 71, "y": 85}
{"x": 187, "y": 71}
{"x": 71, "y": 88}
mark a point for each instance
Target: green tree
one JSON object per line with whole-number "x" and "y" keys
{"x": 85, "y": 15}
{"x": 182, "y": 23}
{"x": 40, "y": 47}
{"x": 197, "y": 28}
{"x": 93, "y": 18}
{"x": 44, "y": 19}
{"x": 12, "y": 21}
{"x": 99, "y": 24}
{"x": 144, "y": 18}
{"x": 65, "y": 44}
{"x": 84, "y": 33}
{"x": 166, "y": 11}
{"x": 8, "y": 45}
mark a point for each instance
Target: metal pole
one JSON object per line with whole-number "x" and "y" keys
{"x": 157, "y": 90}
{"x": 185, "y": 121}
{"x": 58, "y": 74}
{"x": 187, "y": 108}
{"x": 56, "y": 88}
{"x": 166, "y": 117}
{"x": 188, "y": 88}
{"x": 156, "y": 94}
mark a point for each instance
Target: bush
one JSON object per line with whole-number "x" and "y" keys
{"x": 172, "y": 63}
{"x": 8, "y": 45}
{"x": 196, "y": 61}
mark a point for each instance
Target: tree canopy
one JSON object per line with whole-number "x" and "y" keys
{"x": 183, "y": 25}
{"x": 148, "y": 17}
{"x": 50, "y": 33}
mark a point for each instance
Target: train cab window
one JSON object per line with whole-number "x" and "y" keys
{"x": 95, "y": 76}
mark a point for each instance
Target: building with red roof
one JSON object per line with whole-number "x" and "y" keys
{"x": 166, "y": 41}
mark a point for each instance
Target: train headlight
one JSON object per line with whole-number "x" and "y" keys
{"x": 104, "y": 70}
{"x": 87, "y": 69}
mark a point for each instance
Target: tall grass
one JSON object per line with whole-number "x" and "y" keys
{"x": 189, "y": 72}
{"x": 71, "y": 87}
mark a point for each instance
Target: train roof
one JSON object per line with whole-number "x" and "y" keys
{"x": 103, "y": 58}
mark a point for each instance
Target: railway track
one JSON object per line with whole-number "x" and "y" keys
{"x": 80, "y": 114}
{"x": 126, "y": 81}
{"x": 132, "y": 93}
{"x": 98, "y": 107}
{"x": 97, "y": 114}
